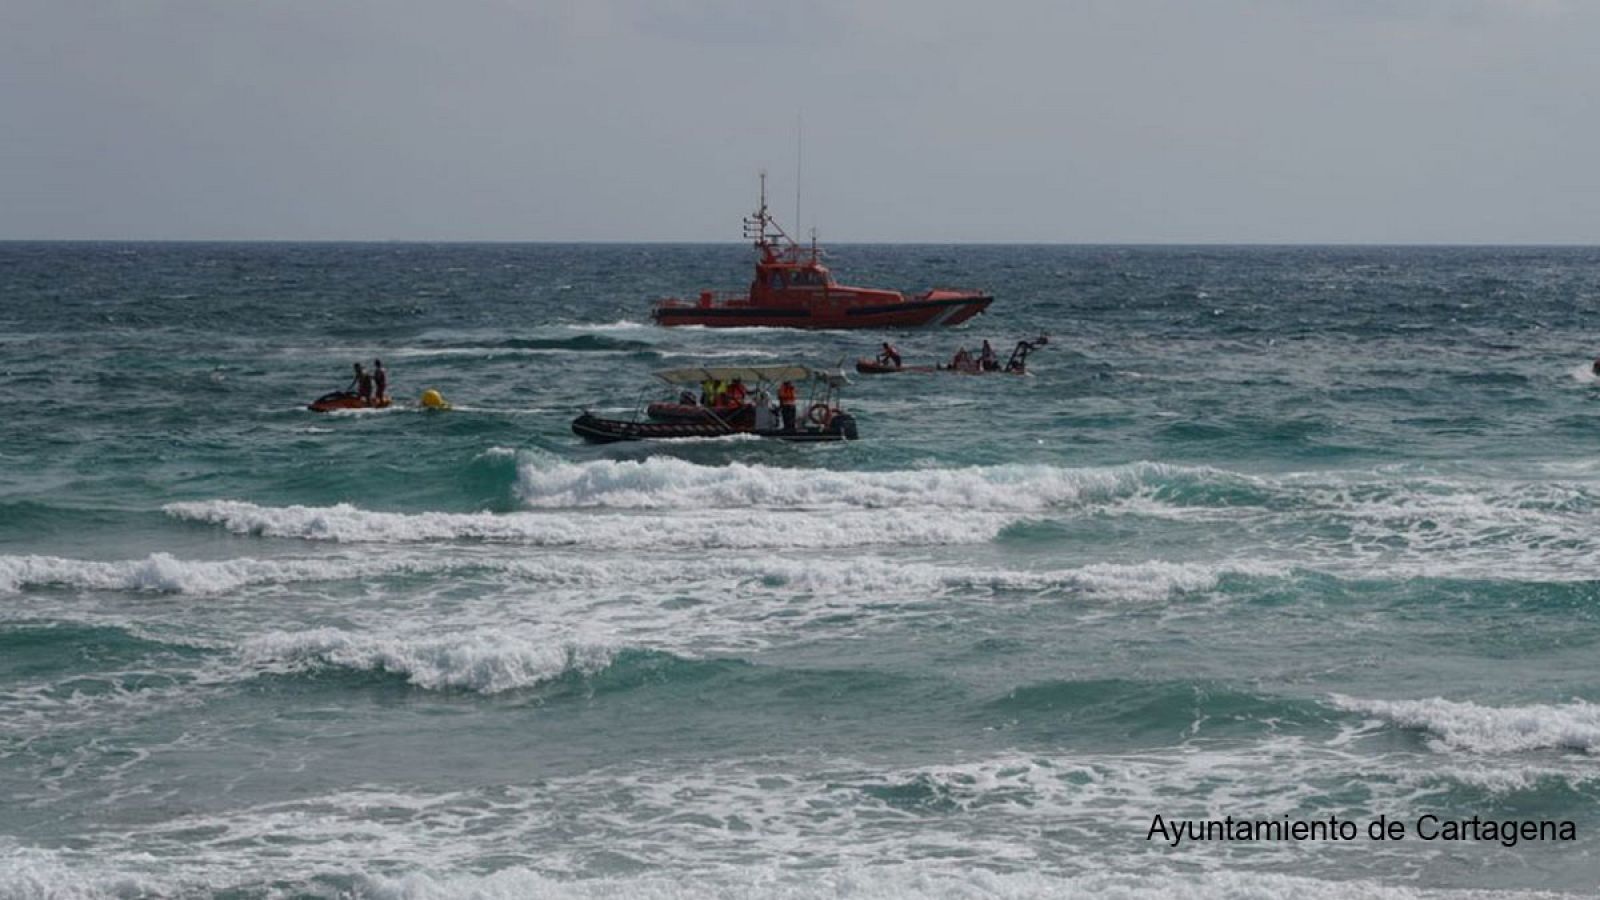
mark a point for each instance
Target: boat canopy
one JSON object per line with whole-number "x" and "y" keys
{"x": 752, "y": 374}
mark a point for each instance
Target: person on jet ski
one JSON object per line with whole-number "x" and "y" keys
{"x": 361, "y": 384}
{"x": 380, "y": 380}
{"x": 889, "y": 356}
{"x": 987, "y": 359}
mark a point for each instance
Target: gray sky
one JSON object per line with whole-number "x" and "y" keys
{"x": 925, "y": 120}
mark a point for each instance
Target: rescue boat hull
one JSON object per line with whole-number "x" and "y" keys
{"x": 873, "y": 367}
{"x": 917, "y": 313}
{"x": 596, "y": 430}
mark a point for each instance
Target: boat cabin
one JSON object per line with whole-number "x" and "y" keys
{"x": 775, "y": 276}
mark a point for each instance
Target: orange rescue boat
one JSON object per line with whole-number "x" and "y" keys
{"x": 793, "y": 289}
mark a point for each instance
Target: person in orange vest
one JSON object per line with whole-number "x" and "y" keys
{"x": 786, "y": 408}
{"x": 736, "y": 393}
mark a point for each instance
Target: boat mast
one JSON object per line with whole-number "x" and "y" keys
{"x": 761, "y": 229}
{"x": 799, "y": 154}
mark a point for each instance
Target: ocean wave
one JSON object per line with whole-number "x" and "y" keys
{"x": 1381, "y": 498}
{"x": 869, "y": 575}
{"x": 485, "y": 663}
{"x": 1463, "y": 725}
{"x": 666, "y": 483}
{"x": 703, "y": 529}
{"x": 162, "y": 572}
{"x": 29, "y": 874}
{"x": 1145, "y": 581}
{"x": 980, "y": 827}
{"x": 590, "y": 343}
{"x": 903, "y": 881}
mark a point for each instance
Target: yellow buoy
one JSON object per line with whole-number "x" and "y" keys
{"x": 432, "y": 399}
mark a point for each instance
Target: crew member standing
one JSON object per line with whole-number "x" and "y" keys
{"x": 786, "y": 404}
{"x": 380, "y": 381}
{"x": 362, "y": 383}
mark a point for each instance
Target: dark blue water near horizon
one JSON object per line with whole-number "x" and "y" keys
{"x": 1269, "y": 532}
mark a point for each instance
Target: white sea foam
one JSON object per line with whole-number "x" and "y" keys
{"x": 166, "y": 573}
{"x": 702, "y": 529}
{"x": 1460, "y": 725}
{"x": 869, "y": 576}
{"x": 485, "y": 662}
{"x": 1143, "y": 581}
{"x": 764, "y": 828}
{"x": 666, "y": 483}
{"x": 619, "y": 325}
{"x": 44, "y": 875}
{"x": 30, "y": 874}
{"x": 909, "y": 882}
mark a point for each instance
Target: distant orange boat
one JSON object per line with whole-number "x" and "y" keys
{"x": 793, "y": 289}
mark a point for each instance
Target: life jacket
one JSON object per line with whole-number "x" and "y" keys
{"x": 786, "y": 394}
{"x": 736, "y": 394}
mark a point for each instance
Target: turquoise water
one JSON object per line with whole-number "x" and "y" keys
{"x": 1271, "y": 532}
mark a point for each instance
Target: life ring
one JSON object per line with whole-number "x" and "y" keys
{"x": 819, "y": 414}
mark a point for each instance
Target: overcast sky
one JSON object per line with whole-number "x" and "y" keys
{"x": 1435, "y": 121}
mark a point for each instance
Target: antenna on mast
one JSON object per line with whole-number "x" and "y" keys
{"x": 799, "y": 149}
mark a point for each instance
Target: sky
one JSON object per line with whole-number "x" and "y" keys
{"x": 1071, "y": 121}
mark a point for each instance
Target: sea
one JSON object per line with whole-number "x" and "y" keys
{"x": 1283, "y": 534}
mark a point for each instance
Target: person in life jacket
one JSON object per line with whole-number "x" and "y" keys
{"x": 889, "y": 356}
{"x": 380, "y": 381}
{"x": 786, "y": 401}
{"x": 987, "y": 359}
{"x": 737, "y": 393}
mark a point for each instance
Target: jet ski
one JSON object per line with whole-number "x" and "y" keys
{"x": 875, "y": 367}
{"x": 345, "y": 400}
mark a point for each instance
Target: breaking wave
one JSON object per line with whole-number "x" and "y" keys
{"x": 706, "y": 529}
{"x": 1458, "y": 725}
{"x": 162, "y": 572}
{"x": 666, "y": 483}
{"x": 868, "y": 576}
{"x": 486, "y": 663}
{"x": 37, "y": 875}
